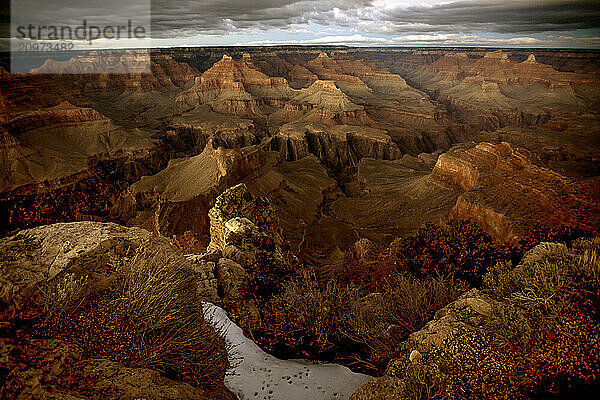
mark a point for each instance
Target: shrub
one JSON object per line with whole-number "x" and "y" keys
{"x": 499, "y": 280}
{"x": 150, "y": 316}
{"x": 267, "y": 275}
{"x": 421, "y": 384}
{"x": 334, "y": 321}
{"x": 306, "y": 318}
{"x": 549, "y": 324}
{"x": 459, "y": 249}
{"x": 403, "y": 307}
{"x": 411, "y": 302}
{"x": 510, "y": 326}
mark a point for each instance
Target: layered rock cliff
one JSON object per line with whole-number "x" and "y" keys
{"x": 507, "y": 193}
{"x": 494, "y": 91}
{"x": 340, "y": 147}
{"x": 177, "y": 199}
{"x": 236, "y": 87}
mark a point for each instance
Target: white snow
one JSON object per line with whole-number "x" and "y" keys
{"x": 258, "y": 375}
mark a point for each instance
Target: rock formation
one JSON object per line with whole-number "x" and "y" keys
{"x": 340, "y": 147}
{"x": 234, "y": 214}
{"x": 236, "y": 87}
{"x": 507, "y": 194}
{"x": 300, "y": 77}
{"x": 238, "y": 167}
{"x": 321, "y": 102}
{"x": 244, "y": 233}
{"x": 493, "y": 91}
{"x": 190, "y": 132}
{"x": 34, "y": 257}
{"x": 177, "y": 199}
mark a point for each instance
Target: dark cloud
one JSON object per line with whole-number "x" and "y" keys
{"x": 184, "y": 18}
{"x": 73, "y": 12}
{"x": 496, "y": 16}
{"x": 170, "y": 18}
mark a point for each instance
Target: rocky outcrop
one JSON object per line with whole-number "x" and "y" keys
{"x": 39, "y": 254}
{"x": 322, "y": 102}
{"x": 300, "y": 77}
{"x": 340, "y": 147}
{"x": 238, "y": 246}
{"x": 234, "y": 214}
{"x": 236, "y": 87}
{"x": 458, "y": 336}
{"x": 190, "y": 132}
{"x": 44, "y": 367}
{"x": 177, "y": 199}
{"x": 507, "y": 193}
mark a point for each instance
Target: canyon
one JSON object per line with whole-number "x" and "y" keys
{"x": 347, "y": 143}
{"x": 315, "y": 160}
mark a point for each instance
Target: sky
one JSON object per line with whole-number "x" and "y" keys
{"x": 494, "y": 23}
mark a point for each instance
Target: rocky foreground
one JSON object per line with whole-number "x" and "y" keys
{"x": 436, "y": 360}
{"x": 483, "y": 344}
{"x": 38, "y": 366}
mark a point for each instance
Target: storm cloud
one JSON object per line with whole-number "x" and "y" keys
{"x": 171, "y": 17}
{"x": 495, "y": 16}
{"x": 571, "y": 23}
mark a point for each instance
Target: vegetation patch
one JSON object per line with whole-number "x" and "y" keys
{"x": 146, "y": 314}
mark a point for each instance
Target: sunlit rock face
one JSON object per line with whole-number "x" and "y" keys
{"x": 493, "y": 91}
{"x": 236, "y": 87}
{"x": 507, "y": 192}
{"x": 177, "y": 199}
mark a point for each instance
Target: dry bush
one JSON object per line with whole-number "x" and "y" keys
{"x": 589, "y": 264}
{"x": 421, "y": 384}
{"x": 306, "y": 318}
{"x": 64, "y": 296}
{"x": 549, "y": 324}
{"x": 510, "y": 326}
{"x": 411, "y": 302}
{"x": 404, "y": 306}
{"x": 151, "y": 316}
{"x": 336, "y": 321}
{"x": 459, "y": 249}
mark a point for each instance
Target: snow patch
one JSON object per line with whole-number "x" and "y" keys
{"x": 258, "y": 375}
